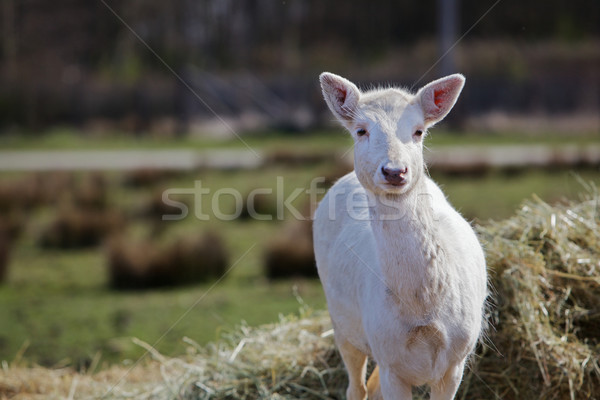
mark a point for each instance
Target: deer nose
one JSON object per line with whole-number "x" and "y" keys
{"x": 394, "y": 176}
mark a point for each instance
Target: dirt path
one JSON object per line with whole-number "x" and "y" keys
{"x": 447, "y": 157}
{"x": 512, "y": 156}
{"x": 123, "y": 160}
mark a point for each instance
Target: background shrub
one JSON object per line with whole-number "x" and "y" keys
{"x": 294, "y": 158}
{"x": 4, "y": 255}
{"x": 77, "y": 228}
{"x": 146, "y": 264}
{"x": 155, "y": 208}
{"x": 291, "y": 254}
{"x": 263, "y": 204}
{"x": 11, "y": 225}
{"x": 147, "y": 177}
{"x": 91, "y": 193}
{"x": 199, "y": 258}
{"x": 34, "y": 190}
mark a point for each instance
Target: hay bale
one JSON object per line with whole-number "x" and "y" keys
{"x": 91, "y": 193}
{"x": 5, "y": 243}
{"x": 291, "y": 254}
{"x": 199, "y": 258}
{"x": 20, "y": 194}
{"x": 12, "y": 225}
{"x": 545, "y": 270}
{"x": 146, "y": 264}
{"x": 78, "y": 228}
{"x": 155, "y": 207}
{"x": 263, "y": 204}
{"x": 292, "y": 359}
{"x": 33, "y": 190}
{"x": 139, "y": 265}
{"x": 147, "y": 177}
{"x": 296, "y": 158}
{"x": 10, "y": 228}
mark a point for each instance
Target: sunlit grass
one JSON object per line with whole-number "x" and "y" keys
{"x": 496, "y": 195}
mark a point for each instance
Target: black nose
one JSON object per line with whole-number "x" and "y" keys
{"x": 394, "y": 176}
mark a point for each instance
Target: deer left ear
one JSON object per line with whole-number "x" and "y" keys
{"x": 341, "y": 96}
{"x": 438, "y": 97}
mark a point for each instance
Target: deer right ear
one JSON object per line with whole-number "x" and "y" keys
{"x": 438, "y": 97}
{"x": 341, "y": 96}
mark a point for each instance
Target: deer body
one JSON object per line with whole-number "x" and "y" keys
{"x": 403, "y": 272}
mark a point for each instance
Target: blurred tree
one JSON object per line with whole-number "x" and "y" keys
{"x": 9, "y": 38}
{"x": 447, "y": 14}
{"x": 69, "y": 60}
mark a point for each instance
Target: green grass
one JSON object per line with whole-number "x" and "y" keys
{"x": 442, "y": 137}
{"x": 58, "y": 305}
{"x": 57, "y": 302}
{"x": 55, "y": 305}
{"x": 497, "y": 195}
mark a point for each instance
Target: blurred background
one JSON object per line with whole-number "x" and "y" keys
{"x": 98, "y": 66}
{"x": 105, "y": 105}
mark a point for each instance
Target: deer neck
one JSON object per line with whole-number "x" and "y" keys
{"x": 409, "y": 252}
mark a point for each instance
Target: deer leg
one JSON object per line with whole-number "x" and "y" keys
{"x": 373, "y": 385}
{"x": 446, "y": 388}
{"x": 356, "y": 365}
{"x": 393, "y": 387}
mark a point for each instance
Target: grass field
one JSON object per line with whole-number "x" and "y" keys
{"x": 541, "y": 343}
{"x": 56, "y": 307}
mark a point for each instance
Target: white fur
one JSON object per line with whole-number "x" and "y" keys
{"x": 403, "y": 272}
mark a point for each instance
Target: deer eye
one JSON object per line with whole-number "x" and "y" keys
{"x": 361, "y": 132}
{"x": 418, "y": 133}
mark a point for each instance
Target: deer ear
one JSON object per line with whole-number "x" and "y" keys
{"x": 438, "y": 97}
{"x": 341, "y": 96}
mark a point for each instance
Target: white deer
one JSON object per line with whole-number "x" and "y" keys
{"x": 403, "y": 272}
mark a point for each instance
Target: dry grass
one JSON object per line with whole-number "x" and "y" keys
{"x": 294, "y": 358}
{"x": 545, "y": 268}
{"x": 543, "y": 342}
